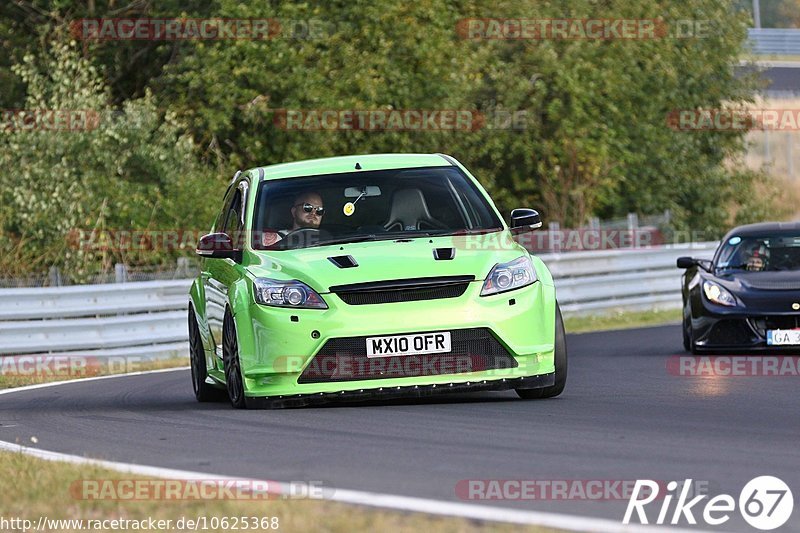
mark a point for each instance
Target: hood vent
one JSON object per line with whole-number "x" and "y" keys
{"x": 444, "y": 254}
{"x": 343, "y": 261}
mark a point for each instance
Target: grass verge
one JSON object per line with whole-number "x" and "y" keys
{"x": 36, "y": 488}
{"x": 23, "y": 370}
{"x": 621, "y": 320}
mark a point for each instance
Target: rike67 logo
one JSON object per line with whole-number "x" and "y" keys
{"x": 765, "y": 503}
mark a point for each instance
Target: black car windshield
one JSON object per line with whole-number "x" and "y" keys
{"x": 765, "y": 253}
{"x": 369, "y": 205}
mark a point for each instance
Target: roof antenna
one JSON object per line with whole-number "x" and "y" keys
{"x": 358, "y": 166}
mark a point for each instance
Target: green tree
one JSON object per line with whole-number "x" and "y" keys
{"x": 135, "y": 169}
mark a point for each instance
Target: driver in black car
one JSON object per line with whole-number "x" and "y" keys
{"x": 307, "y": 211}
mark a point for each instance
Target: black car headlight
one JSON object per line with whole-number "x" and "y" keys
{"x": 509, "y": 276}
{"x": 291, "y": 293}
{"x": 718, "y": 294}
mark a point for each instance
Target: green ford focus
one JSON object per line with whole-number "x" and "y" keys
{"x": 366, "y": 277}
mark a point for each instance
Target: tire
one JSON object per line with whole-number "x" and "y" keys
{"x": 560, "y": 363}
{"x": 230, "y": 359}
{"x": 687, "y": 334}
{"x": 203, "y": 391}
{"x": 688, "y": 337}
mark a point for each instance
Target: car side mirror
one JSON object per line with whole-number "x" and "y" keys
{"x": 689, "y": 262}
{"x": 216, "y": 246}
{"x": 525, "y": 219}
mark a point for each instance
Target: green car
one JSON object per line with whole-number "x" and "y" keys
{"x": 370, "y": 276}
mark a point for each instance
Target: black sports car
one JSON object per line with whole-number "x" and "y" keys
{"x": 747, "y": 298}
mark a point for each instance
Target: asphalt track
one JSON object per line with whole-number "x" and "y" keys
{"x": 622, "y": 416}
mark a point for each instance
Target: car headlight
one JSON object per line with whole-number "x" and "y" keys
{"x": 509, "y": 276}
{"x": 718, "y": 294}
{"x": 286, "y": 294}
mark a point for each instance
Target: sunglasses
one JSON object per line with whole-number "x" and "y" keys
{"x": 309, "y": 208}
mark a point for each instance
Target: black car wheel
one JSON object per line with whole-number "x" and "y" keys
{"x": 688, "y": 337}
{"x": 687, "y": 334}
{"x": 203, "y": 391}
{"x": 230, "y": 360}
{"x": 560, "y": 363}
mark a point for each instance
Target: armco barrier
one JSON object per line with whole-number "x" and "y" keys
{"x": 774, "y": 41}
{"x": 148, "y": 319}
{"x": 623, "y": 279}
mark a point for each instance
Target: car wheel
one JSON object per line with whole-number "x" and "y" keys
{"x": 687, "y": 334}
{"x": 561, "y": 366}
{"x": 197, "y": 357}
{"x": 230, "y": 359}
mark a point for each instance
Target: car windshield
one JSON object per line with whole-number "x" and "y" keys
{"x": 373, "y": 205}
{"x": 767, "y": 253}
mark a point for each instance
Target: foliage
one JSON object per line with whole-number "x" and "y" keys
{"x": 595, "y": 140}
{"x": 135, "y": 169}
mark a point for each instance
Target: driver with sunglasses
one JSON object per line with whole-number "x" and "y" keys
{"x": 307, "y": 211}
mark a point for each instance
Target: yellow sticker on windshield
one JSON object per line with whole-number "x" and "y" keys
{"x": 349, "y": 209}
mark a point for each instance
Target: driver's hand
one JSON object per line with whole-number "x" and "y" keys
{"x": 268, "y": 238}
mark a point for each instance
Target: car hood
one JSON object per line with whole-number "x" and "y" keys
{"x": 475, "y": 255}
{"x": 767, "y": 291}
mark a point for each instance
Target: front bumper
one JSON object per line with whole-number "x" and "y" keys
{"x": 745, "y": 332}
{"x": 276, "y": 344}
{"x": 404, "y": 392}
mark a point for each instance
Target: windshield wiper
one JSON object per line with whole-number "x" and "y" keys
{"x": 345, "y": 240}
{"x": 459, "y": 232}
{"x": 386, "y": 236}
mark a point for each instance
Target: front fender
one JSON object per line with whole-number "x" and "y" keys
{"x": 197, "y": 302}
{"x": 239, "y": 300}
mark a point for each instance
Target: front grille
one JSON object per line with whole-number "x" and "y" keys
{"x": 394, "y": 291}
{"x": 345, "y": 359}
{"x": 730, "y": 332}
{"x": 761, "y": 325}
{"x": 773, "y": 285}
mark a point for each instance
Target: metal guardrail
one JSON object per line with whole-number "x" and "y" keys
{"x": 774, "y": 41}
{"x": 621, "y": 280}
{"x": 148, "y": 319}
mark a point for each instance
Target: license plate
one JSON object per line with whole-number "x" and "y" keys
{"x": 783, "y": 337}
{"x": 416, "y": 343}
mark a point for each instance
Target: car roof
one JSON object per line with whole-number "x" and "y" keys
{"x": 765, "y": 228}
{"x": 338, "y": 165}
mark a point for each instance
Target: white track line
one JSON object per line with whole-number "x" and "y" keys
{"x": 371, "y": 499}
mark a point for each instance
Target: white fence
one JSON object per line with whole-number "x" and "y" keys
{"x": 148, "y": 319}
